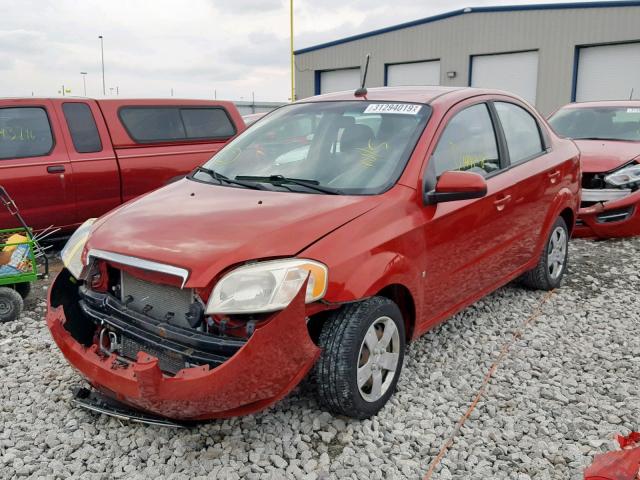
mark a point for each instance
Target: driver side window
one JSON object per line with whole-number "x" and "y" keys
{"x": 468, "y": 143}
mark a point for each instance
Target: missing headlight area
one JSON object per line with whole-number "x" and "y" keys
{"x": 609, "y": 186}
{"x": 129, "y": 316}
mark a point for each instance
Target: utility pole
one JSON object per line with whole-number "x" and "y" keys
{"x": 84, "y": 82}
{"x": 293, "y": 85}
{"x": 104, "y": 87}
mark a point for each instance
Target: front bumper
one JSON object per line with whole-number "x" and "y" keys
{"x": 615, "y": 218}
{"x": 265, "y": 369}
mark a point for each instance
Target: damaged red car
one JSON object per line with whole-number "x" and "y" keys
{"x": 321, "y": 249}
{"x": 608, "y": 136}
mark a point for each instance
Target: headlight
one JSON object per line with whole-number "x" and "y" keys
{"x": 72, "y": 252}
{"x": 267, "y": 286}
{"x": 624, "y": 176}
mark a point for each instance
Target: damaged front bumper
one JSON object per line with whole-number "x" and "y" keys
{"x": 616, "y": 214}
{"x": 238, "y": 379}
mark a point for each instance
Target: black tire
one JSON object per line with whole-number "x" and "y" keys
{"x": 541, "y": 278}
{"x": 10, "y": 304}
{"x": 341, "y": 338}
{"x": 23, "y": 289}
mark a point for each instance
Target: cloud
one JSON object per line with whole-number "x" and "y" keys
{"x": 247, "y": 7}
{"x": 233, "y": 47}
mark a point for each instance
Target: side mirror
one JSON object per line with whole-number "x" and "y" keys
{"x": 456, "y": 185}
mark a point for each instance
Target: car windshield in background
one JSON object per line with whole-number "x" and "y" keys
{"x": 350, "y": 147}
{"x": 598, "y": 123}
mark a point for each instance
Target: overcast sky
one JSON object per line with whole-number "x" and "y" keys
{"x": 196, "y": 47}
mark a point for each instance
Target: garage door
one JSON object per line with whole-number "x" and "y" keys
{"x": 513, "y": 72}
{"x": 417, "y": 73}
{"x": 608, "y": 72}
{"x": 339, "y": 80}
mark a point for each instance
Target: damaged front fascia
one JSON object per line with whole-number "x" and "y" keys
{"x": 263, "y": 370}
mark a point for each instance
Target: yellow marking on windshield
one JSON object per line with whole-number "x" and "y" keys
{"x": 371, "y": 153}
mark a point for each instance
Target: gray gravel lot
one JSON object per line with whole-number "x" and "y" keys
{"x": 564, "y": 389}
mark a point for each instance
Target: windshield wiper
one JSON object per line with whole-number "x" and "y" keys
{"x": 221, "y": 178}
{"x": 606, "y": 139}
{"x": 280, "y": 180}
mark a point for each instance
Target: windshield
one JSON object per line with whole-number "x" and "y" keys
{"x": 350, "y": 147}
{"x": 598, "y": 123}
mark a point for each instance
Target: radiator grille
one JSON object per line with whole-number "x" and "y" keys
{"x": 156, "y": 300}
{"x": 167, "y": 361}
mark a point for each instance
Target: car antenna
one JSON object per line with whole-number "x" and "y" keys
{"x": 362, "y": 91}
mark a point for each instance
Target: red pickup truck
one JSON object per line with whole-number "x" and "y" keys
{"x": 64, "y": 160}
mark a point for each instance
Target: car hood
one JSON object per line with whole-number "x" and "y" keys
{"x": 206, "y": 228}
{"x": 598, "y": 156}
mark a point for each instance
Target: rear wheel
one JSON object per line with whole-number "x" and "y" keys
{"x": 10, "y": 304}
{"x": 363, "y": 350}
{"x": 552, "y": 263}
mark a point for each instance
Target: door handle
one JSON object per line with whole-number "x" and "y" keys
{"x": 502, "y": 202}
{"x": 55, "y": 169}
{"x": 553, "y": 176}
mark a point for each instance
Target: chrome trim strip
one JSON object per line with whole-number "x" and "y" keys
{"x": 603, "y": 194}
{"x": 182, "y": 273}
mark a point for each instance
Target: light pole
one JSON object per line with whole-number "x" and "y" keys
{"x": 104, "y": 88}
{"x": 84, "y": 82}
{"x": 293, "y": 87}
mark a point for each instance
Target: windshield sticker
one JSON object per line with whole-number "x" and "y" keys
{"x": 403, "y": 108}
{"x": 633, "y": 110}
{"x": 370, "y": 155}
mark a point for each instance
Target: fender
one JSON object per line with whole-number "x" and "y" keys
{"x": 378, "y": 271}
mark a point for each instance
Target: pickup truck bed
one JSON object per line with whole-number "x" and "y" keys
{"x": 64, "y": 160}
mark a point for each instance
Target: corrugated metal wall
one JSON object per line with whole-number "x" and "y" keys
{"x": 554, "y": 33}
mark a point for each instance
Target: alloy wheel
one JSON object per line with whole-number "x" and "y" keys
{"x": 557, "y": 252}
{"x": 378, "y": 359}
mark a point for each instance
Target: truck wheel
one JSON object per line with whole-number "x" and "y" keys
{"x": 23, "y": 289}
{"x": 363, "y": 349}
{"x": 10, "y": 304}
{"x": 552, "y": 263}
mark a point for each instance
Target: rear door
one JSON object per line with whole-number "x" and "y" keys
{"x": 467, "y": 239}
{"x": 34, "y": 166}
{"x": 156, "y": 141}
{"x": 93, "y": 161}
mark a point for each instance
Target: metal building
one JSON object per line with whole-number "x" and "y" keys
{"x": 549, "y": 54}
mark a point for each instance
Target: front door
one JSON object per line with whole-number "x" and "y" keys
{"x": 466, "y": 239}
{"x": 34, "y": 166}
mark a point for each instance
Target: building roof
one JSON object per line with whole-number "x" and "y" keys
{"x": 463, "y": 11}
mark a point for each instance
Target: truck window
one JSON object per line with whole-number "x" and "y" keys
{"x": 82, "y": 126}
{"x": 24, "y": 132}
{"x": 167, "y": 124}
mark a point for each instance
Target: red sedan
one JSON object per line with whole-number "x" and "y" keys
{"x": 216, "y": 295}
{"x": 608, "y": 136}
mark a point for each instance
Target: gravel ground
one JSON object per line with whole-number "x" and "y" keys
{"x": 566, "y": 386}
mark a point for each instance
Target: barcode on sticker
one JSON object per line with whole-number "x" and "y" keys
{"x": 404, "y": 108}
{"x": 633, "y": 110}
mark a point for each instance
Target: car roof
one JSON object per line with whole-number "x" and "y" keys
{"x": 603, "y": 103}
{"x": 413, "y": 94}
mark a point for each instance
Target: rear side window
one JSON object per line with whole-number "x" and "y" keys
{"x": 24, "y": 132}
{"x": 520, "y": 130}
{"x": 166, "y": 124}
{"x": 82, "y": 126}
{"x": 468, "y": 143}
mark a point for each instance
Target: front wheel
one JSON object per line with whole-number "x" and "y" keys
{"x": 363, "y": 349}
{"x": 552, "y": 263}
